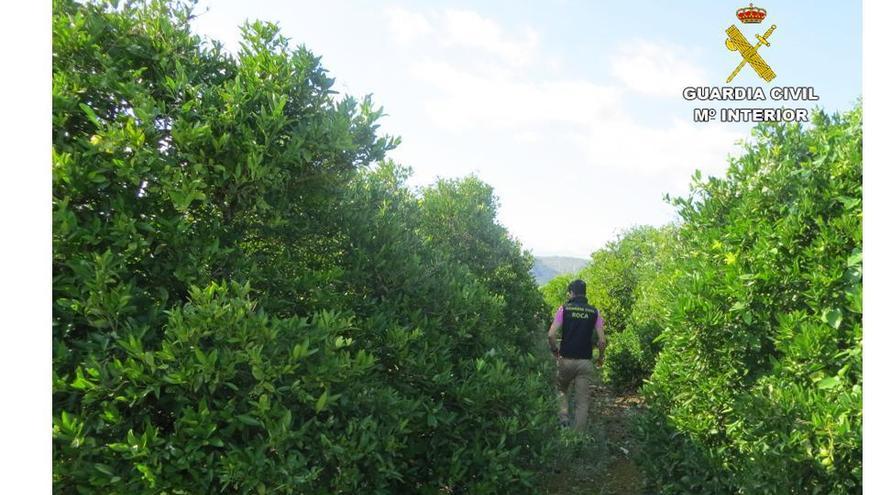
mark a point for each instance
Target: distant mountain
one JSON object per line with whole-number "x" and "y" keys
{"x": 547, "y": 267}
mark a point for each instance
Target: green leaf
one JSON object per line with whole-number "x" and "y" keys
{"x": 833, "y": 317}
{"x": 182, "y": 199}
{"x": 104, "y": 468}
{"x": 831, "y": 381}
{"x": 90, "y": 114}
{"x": 248, "y": 420}
{"x": 81, "y": 383}
{"x": 322, "y": 401}
{"x": 850, "y": 203}
{"x": 855, "y": 258}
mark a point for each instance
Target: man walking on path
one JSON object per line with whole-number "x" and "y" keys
{"x": 578, "y": 321}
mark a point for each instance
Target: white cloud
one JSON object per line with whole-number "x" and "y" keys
{"x": 464, "y": 30}
{"x": 678, "y": 149}
{"x": 591, "y": 115}
{"x": 468, "y": 29}
{"x": 407, "y": 26}
{"x": 470, "y": 99}
{"x": 655, "y": 68}
{"x": 530, "y": 137}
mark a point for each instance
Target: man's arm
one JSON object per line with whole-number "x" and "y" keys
{"x": 551, "y": 338}
{"x": 600, "y": 331}
{"x": 551, "y": 333}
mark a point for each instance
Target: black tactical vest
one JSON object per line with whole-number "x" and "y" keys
{"x": 578, "y": 322}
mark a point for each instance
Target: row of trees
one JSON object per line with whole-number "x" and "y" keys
{"x": 248, "y": 299}
{"x": 743, "y": 320}
{"x": 758, "y": 388}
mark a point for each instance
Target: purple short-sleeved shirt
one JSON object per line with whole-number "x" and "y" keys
{"x": 600, "y": 323}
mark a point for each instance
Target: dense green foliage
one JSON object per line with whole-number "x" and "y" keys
{"x": 627, "y": 280}
{"x": 758, "y": 388}
{"x": 249, "y": 299}
{"x": 615, "y": 271}
{"x": 555, "y": 292}
{"x": 459, "y": 217}
{"x": 245, "y": 302}
{"x": 651, "y": 254}
{"x": 747, "y": 317}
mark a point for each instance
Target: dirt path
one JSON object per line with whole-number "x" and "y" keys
{"x": 600, "y": 461}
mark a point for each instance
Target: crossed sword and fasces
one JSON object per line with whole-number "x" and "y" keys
{"x": 736, "y": 41}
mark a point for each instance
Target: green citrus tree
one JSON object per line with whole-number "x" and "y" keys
{"x": 247, "y": 299}
{"x": 758, "y": 388}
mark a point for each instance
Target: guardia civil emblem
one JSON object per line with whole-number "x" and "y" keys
{"x": 737, "y": 42}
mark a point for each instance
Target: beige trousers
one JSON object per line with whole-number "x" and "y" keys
{"x": 577, "y": 370}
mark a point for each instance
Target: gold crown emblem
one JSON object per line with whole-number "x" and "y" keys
{"x": 751, "y": 14}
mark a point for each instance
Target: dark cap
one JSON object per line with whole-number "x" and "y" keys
{"x": 577, "y": 287}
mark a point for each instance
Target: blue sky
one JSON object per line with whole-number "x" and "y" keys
{"x": 572, "y": 111}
